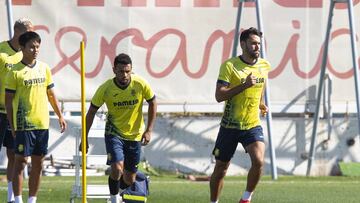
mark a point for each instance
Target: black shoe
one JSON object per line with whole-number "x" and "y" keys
{"x": 12, "y": 202}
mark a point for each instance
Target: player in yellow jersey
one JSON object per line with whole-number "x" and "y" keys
{"x": 241, "y": 85}
{"x": 125, "y": 129}
{"x": 29, "y": 89}
{"x": 10, "y": 48}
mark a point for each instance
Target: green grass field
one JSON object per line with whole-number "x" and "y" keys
{"x": 170, "y": 189}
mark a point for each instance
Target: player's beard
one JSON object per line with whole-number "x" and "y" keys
{"x": 123, "y": 82}
{"x": 253, "y": 54}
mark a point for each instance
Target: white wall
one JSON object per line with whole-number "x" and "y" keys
{"x": 185, "y": 143}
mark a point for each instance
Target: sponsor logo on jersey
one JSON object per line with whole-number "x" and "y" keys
{"x": 126, "y": 103}
{"x": 34, "y": 81}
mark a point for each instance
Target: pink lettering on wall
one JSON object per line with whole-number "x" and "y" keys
{"x": 67, "y": 60}
{"x": 344, "y": 5}
{"x": 246, "y": 4}
{"x": 291, "y": 56}
{"x": 180, "y": 58}
{"x": 300, "y": 3}
{"x": 133, "y": 3}
{"x": 41, "y": 27}
{"x": 21, "y": 2}
{"x": 201, "y": 3}
{"x": 167, "y": 3}
{"x": 310, "y": 3}
{"x": 158, "y": 3}
{"x": 181, "y": 55}
{"x": 345, "y": 74}
{"x": 206, "y": 3}
{"x": 108, "y": 50}
{"x": 90, "y": 2}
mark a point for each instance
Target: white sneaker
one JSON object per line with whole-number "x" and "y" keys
{"x": 115, "y": 199}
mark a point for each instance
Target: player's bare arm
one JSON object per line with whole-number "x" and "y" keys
{"x": 224, "y": 92}
{"x": 55, "y": 105}
{"x": 151, "y": 121}
{"x": 90, "y": 115}
{"x": 262, "y": 106}
{"x": 9, "y": 97}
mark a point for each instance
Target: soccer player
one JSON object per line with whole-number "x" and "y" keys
{"x": 241, "y": 84}
{"x": 125, "y": 129}
{"x": 10, "y": 47}
{"x": 28, "y": 89}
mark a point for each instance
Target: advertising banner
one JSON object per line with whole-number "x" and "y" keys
{"x": 179, "y": 45}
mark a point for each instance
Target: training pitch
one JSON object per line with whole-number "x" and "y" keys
{"x": 171, "y": 189}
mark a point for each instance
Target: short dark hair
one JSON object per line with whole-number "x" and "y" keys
{"x": 122, "y": 59}
{"x": 251, "y": 31}
{"x": 28, "y": 36}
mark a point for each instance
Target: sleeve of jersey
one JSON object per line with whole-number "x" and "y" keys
{"x": 98, "y": 98}
{"x": 148, "y": 92}
{"x": 225, "y": 73}
{"x": 2, "y": 60}
{"x": 267, "y": 66}
{"x": 9, "y": 59}
{"x": 6, "y": 61}
{"x": 49, "y": 80}
{"x": 10, "y": 82}
{"x": 16, "y": 58}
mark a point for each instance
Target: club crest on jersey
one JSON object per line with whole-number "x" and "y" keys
{"x": 9, "y": 65}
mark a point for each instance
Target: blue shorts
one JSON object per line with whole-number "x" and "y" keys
{"x": 123, "y": 150}
{"x": 6, "y": 137}
{"x": 32, "y": 142}
{"x": 228, "y": 139}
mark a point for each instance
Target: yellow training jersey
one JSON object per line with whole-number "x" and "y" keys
{"x": 125, "y": 117}
{"x": 242, "y": 110}
{"x": 30, "y": 104}
{"x": 6, "y": 63}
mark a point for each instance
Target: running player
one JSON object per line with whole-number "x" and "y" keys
{"x": 241, "y": 84}
{"x": 125, "y": 129}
